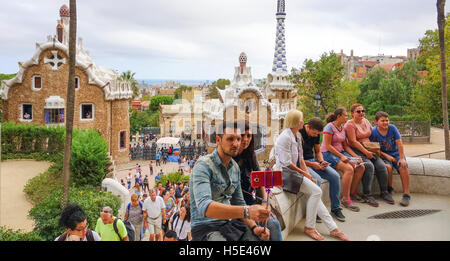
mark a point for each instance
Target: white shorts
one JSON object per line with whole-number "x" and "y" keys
{"x": 154, "y": 225}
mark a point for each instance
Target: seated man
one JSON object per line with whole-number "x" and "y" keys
{"x": 392, "y": 152}
{"x": 314, "y": 160}
{"x": 216, "y": 195}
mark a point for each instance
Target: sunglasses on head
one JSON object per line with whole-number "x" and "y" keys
{"x": 360, "y": 111}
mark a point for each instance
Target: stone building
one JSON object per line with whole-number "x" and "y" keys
{"x": 37, "y": 95}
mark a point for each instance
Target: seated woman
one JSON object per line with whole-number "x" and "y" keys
{"x": 358, "y": 130}
{"x": 246, "y": 159}
{"x": 289, "y": 153}
{"x": 336, "y": 151}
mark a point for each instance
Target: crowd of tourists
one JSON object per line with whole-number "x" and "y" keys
{"x": 219, "y": 203}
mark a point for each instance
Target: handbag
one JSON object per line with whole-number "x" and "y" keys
{"x": 372, "y": 147}
{"x": 292, "y": 180}
{"x": 275, "y": 208}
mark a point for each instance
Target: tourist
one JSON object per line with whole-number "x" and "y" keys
{"x": 157, "y": 157}
{"x": 247, "y": 161}
{"x": 218, "y": 209}
{"x": 154, "y": 211}
{"x": 74, "y": 220}
{"x": 134, "y": 215}
{"x": 159, "y": 189}
{"x": 179, "y": 193}
{"x": 129, "y": 180}
{"x": 137, "y": 190}
{"x": 180, "y": 222}
{"x": 151, "y": 168}
{"x": 145, "y": 184}
{"x": 289, "y": 153}
{"x": 336, "y": 151}
{"x": 105, "y": 226}
{"x": 184, "y": 201}
{"x": 392, "y": 152}
{"x": 123, "y": 183}
{"x": 315, "y": 162}
{"x": 358, "y": 130}
{"x": 170, "y": 207}
{"x": 170, "y": 236}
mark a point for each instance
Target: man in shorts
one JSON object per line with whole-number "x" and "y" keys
{"x": 392, "y": 152}
{"x": 154, "y": 209}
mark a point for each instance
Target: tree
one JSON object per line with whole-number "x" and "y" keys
{"x": 157, "y": 100}
{"x": 129, "y": 76}
{"x": 440, "y": 5}
{"x": 323, "y": 77}
{"x": 179, "y": 91}
{"x": 70, "y": 106}
{"x": 219, "y": 84}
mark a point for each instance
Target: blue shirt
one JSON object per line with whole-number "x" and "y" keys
{"x": 387, "y": 143}
{"x": 211, "y": 181}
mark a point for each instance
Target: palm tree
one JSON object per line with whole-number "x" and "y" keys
{"x": 70, "y": 106}
{"x": 441, "y": 28}
{"x": 129, "y": 76}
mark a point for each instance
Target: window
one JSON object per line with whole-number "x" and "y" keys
{"x": 187, "y": 126}
{"x": 77, "y": 82}
{"x": 87, "y": 111}
{"x": 36, "y": 82}
{"x": 53, "y": 116}
{"x": 122, "y": 139}
{"x": 26, "y": 112}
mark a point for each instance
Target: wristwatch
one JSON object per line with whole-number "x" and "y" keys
{"x": 246, "y": 215}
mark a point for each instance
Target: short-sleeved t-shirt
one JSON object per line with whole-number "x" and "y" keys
{"x": 135, "y": 214}
{"x": 362, "y": 130}
{"x": 387, "y": 143}
{"x": 308, "y": 144}
{"x": 337, "y": 140}
{"x": 107, "y": 232}
{"x": 153, "y": 208}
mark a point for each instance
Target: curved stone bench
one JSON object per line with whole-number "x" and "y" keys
{"x": 431, "y": 176}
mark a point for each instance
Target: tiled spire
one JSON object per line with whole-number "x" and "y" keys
{"x": 279, "y": 60}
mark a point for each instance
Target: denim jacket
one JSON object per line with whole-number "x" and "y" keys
{"x": 211, "y": 181}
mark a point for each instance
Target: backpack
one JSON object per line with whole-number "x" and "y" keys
{"x": 129, "y": 205}
{"x": 130, "y": 229}
{"x": 89, "y": 236}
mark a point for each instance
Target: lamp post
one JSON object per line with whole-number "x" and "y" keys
{"x": 317, "y": 103}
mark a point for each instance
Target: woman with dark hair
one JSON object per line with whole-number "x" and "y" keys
{"x": 358, "y": 131}
{"x": 181, "y": 223}
{"x": 338, "y": 153}
{"x": 74, "y": 220}
{"x": 247, "y": 161}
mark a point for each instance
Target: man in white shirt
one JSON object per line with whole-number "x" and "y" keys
{"x": 154, "y": 209}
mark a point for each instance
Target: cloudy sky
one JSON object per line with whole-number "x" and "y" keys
{"x": 202, "y": 39}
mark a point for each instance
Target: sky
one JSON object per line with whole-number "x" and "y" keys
{"x": 202, "y": 39}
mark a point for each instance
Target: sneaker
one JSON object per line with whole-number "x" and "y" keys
{"x": 387, "y": 197}
{"x": 349, "y": 204}
{"x": 356, "y": 198}
{"x": 318, "y": 219}
{"x": 405, "y": 200}
{"x": 338, "y": 215}
{"x": 370, "y": 200}
{"x": 390, "y": 190}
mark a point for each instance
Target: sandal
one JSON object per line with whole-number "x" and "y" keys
{"x": 312, "y": 232}
{"x": 340, "y": 235}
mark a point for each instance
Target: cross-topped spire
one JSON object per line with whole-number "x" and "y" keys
{"x": 279, "y": 60}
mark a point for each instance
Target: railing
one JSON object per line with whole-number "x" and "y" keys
{"x": 429, "y": 154}
{"x": 414, "y": 131}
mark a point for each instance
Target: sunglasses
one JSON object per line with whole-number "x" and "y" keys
{"x": 361, "y": 111}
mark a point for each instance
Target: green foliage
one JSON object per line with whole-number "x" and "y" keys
{"x": 323, "y": 77}
{"x": 8, "y": 234}
{"x": 146, "y": 118}
{"x": 219, "y": 84}
{"x": 39, "y": 187}
{"x": 89, "y": 161}
{"x": 179, "y": 91}
{"x": 129, "y": 76}
{"x": 157, "y": 100}
{"x": 7, "y": 76}
{"x": 47, "y": 212}
{"x": 173, "y": 177}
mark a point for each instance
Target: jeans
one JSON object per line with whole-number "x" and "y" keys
{"x": 275, "y": 229}
{"x": 334, "y": 179}
{"x": 375, "y": 167}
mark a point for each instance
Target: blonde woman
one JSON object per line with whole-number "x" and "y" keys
{"x": 289, "y": 157}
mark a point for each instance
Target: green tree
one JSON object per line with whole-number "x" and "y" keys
{"x": 219, "y": 84}
{"x": 157, "y": 100}
{"x": 324, "y": 77}
{"x": 179, "y": 91}
{"x": 129, "y": 76}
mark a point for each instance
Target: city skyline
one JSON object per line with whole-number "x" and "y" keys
{"x": 196, "y": 40}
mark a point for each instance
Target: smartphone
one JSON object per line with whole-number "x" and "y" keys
{"x": 266, "y": 179}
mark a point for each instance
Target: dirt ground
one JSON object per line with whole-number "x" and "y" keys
{"x": 14, "y": 207}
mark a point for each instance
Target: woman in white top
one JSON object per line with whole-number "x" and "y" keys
{"x": 289, "y": 152}
{"x": 180, "y": 223}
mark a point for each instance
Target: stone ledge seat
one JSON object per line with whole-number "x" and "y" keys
{"x": 431, "y": 176}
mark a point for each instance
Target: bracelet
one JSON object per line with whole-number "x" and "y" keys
{"x": 246, "y": 215}
{"x": 253, "y": 228}
{"x": 263, "y": 201}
